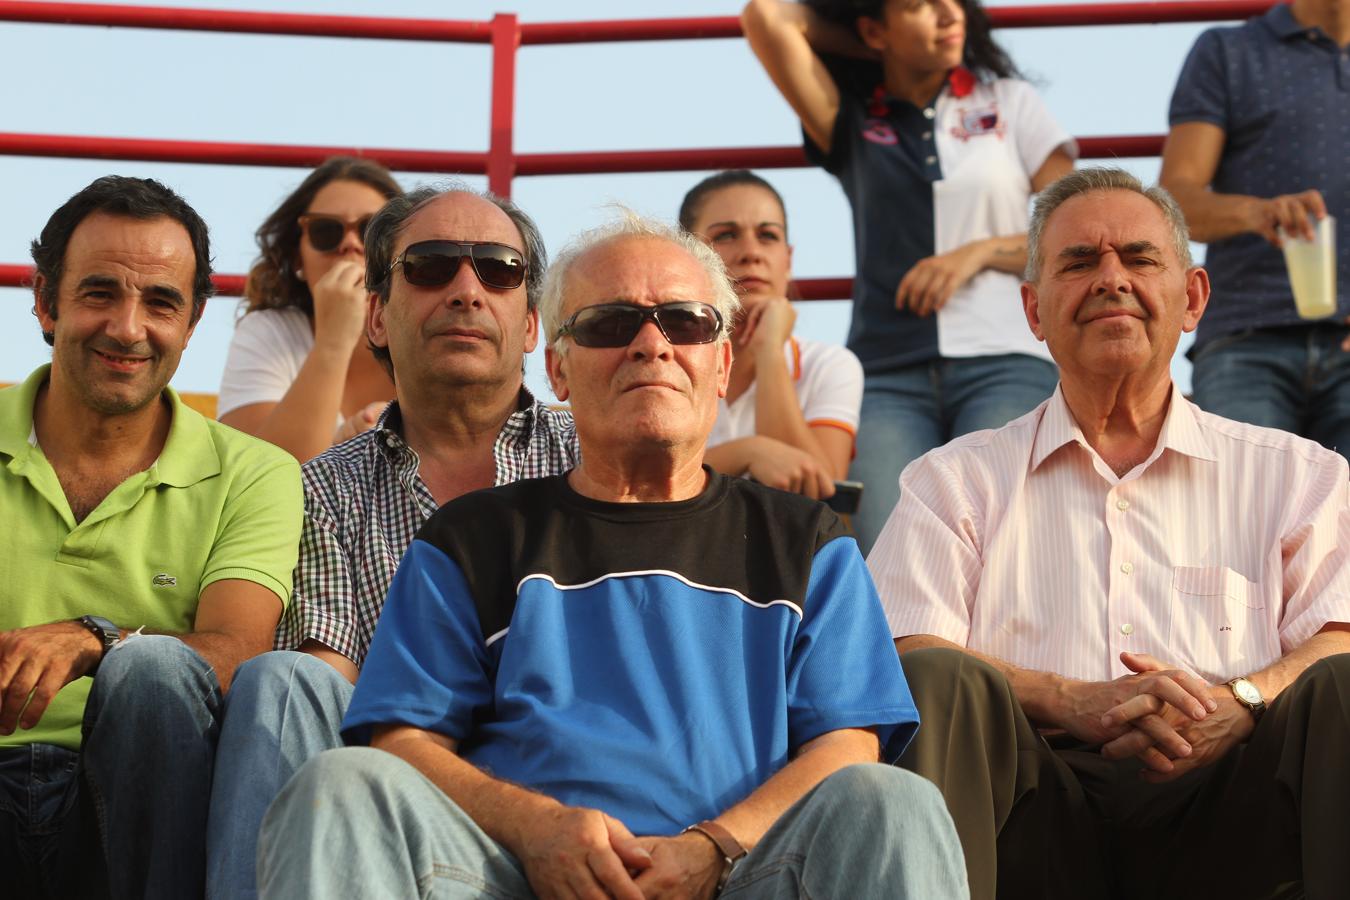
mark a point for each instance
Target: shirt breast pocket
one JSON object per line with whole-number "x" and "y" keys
{"x": 1219, "y": 624}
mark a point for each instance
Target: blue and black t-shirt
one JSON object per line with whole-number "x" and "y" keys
{"x": 657, "y": 661}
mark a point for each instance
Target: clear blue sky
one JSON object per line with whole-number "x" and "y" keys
{"x": 329, "y": 91}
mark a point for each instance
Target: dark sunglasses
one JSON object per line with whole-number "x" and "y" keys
{"x": 434, "y": 263}
{"x": 325, "y": 232}
{"x": 616, "y": 324}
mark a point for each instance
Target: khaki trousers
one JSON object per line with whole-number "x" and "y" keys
{"x": 1042, "y": 818}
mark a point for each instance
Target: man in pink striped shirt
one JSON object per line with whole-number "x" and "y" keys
{"x": 1119, "y": 614}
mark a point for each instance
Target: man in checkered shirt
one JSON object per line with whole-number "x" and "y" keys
{"x": 454, "y": 339}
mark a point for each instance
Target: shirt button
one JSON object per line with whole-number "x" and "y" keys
{"x": 1122, "y": 505}
{"x": 930, "y": 160}
{"x": 928, "y": 135}
{"x": 1127, "y": 628}
{"x": 1127, "y": 568}
{"x": 390, "y": 442}
{"x": 929, "y": 113}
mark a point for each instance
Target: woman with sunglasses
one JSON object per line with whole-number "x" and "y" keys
{"x": 299, "y": 372}
{"x": 791, "y": 410}
{"x": 938, "y": 146}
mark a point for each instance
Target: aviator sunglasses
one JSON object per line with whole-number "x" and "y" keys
{"x": 325, "y": 232}
{"x": 616, "y": 324}
{"x": 434, "y": 263}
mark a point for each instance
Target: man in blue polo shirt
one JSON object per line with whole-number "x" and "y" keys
{"x": 640, "y": 678}
{"x": 1260, "y": 147}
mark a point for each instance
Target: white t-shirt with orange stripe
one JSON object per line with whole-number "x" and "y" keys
{"x": 829, "y": 382}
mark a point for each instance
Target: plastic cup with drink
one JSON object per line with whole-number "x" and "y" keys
{"x": 1312, "y": 269}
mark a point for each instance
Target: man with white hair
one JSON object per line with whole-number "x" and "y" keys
{"x": 1126, "y": 619}
{"x": 640, "y": 678}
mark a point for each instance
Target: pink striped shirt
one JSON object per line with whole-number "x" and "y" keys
{"x": 1222, "y": 551}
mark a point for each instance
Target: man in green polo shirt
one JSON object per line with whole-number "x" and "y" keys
{"x": 144, "y": 547}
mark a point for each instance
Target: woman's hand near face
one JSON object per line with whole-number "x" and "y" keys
{"x": 767, "y": 326}
{"x": 363, "y": 420}
{"x": 340, "y": 306}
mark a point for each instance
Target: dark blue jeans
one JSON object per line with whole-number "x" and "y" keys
{"x": 1296, "y": 379}
{"x": 910, "y": 411}
{"x": 45, "y": 833}
{"x": 126, "y": 816}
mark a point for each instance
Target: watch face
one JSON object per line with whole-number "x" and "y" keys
{"x": 1247, "y": 691}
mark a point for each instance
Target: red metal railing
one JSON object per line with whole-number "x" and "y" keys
{"x": 382, "y": 28}
{"x": 506, "y": 34}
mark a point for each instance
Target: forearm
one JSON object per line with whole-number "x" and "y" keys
{"x": 303, "y": 421}
{"x": 1002, "y": 254}
{"x": 1272, "y": 680}
{"x": 500, "y": 808}
{"x": 781, "y": 20}
{"x": 1044, "y": 696}
{"x": 235, "y": 621}
{"x": 778, "y": 414}
{"x": 1212, "y": 216}
{"x": 224, "y": 652}
{"x": 733, "y": 457}
{"x": 345, "y": 667}
{"x": 752, "y": 817}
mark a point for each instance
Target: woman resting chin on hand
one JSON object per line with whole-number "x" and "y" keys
{"x": 299, "y": 372}
{"x": 791, "y": 410}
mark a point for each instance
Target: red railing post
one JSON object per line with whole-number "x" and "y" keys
{"x": 501, "y": 159}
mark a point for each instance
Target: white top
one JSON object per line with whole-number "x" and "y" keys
{"x": 991, "y": 142}
{"x": 1225, "y": 549}
{"x": 828, "y": 380}
{"x": 268, "y": 348}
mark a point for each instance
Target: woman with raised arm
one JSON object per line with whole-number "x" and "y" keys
{"x": 299, "y": 372}
{"x": 938, "y": 146}
{"x": 791, "y": 411}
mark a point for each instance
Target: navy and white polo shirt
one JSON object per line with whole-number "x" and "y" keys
{"x": 1281, "y": 93}
{"x": 926, "y": 181}
{"x": 657, "y": 661}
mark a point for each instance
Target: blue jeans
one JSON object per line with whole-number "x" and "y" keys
{"x": 910, "y": 411}
{"x": 45, "y": 824}
{"x": 283, "y": 709}
{"x": 359, "y": 822}
{"x": 126, "y": 816}
{"x": 1296, "y": 379}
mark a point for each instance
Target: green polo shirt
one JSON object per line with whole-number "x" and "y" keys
{"x": 217, "y": 504}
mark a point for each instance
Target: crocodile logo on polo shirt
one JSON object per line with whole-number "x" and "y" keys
{"x": 164, "y": 579}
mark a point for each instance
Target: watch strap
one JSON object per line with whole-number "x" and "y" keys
{"x": 107, "y": 633}
{"x": 727, "y": 845}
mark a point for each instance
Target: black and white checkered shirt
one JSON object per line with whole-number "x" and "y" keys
{"x": 364, "y": 501}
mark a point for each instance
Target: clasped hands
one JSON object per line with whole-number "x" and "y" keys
{"x": 1167, "y": 718}
{"x": 583, "y": 853}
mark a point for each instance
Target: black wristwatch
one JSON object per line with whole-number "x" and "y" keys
{"x": 105, "y": 631}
